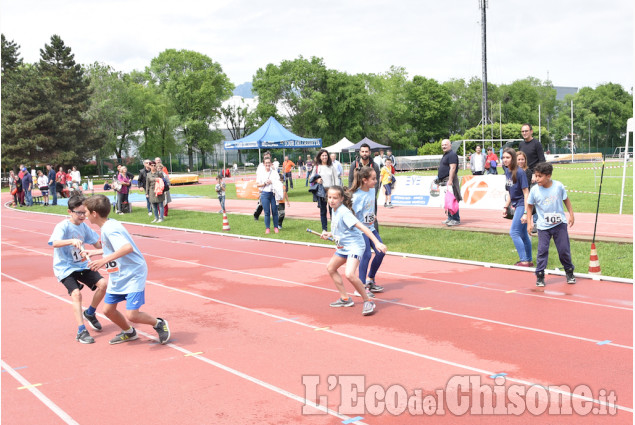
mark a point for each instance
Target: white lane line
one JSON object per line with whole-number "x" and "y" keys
{"x": 36, "y": 392}
{"x": 550, "y": 388}
{"x": 204, "y": 359}
{"x": 465, "y": 316}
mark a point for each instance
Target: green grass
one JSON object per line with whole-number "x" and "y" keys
{"x": 616, "y": 259}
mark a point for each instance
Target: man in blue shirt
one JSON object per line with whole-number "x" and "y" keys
{"x": 52, "y": 187}
{"x": 448, "y": 176}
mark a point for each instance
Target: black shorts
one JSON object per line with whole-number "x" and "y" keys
{"x": 88, "y": 277}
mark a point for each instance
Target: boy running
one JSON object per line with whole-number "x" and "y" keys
{"x": 547, "y": 196}
{"x": 127, "y": 270}
{"x": 73, "y": 270}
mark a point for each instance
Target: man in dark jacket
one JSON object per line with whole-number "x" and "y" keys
{"x": 532, "y": 150}
{"x": 362, "y": 160}
{"x": 141, "y": 182}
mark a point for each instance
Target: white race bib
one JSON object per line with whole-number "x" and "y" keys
{"x": 553, "y": 218}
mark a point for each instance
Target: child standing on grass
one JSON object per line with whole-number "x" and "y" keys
{"x": 363, "y": 190}
{"x": 127, "y": 271}
{"x": 282, "y": 201}
{"x": 220, "y": 191}
{"x": 547, "y": 196}
{"x": 348, "y": 232}
{"x": 73, "y": 270}
{"x": 386, "y": 177}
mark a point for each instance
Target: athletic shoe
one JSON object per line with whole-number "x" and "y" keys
{"x": 154, "y": 221}
{"x": 372, "y": 287}
{"x": 255, "y": 217}
{"x": 369, "y": 308}
{"x": 84, "y": 337}
{"x": 446, "y": 221}
{"x": 124, "y": 337}
{"x": 275, "y": 230}
{"x": 524, "y": 264}
{"x": 453, "y": 223}
{"x": 150, "y": 214}
{"x": 160, "y": 220}
{"x": 540, "y": 280}
{"x": 163, "y": 330}
{"x": 343, "y": 303}
{"x": 385, "y": 205}
{"x": 370, "y": 294}
{"x": 570, "y": 276}
{"x": 267, "y": 231}
{"x": 390, "y": 206}
{"x": 92, "y": 321}
{"x": 221, "y": 211}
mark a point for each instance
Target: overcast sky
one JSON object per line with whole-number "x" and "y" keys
{"x": 572, "y": 42}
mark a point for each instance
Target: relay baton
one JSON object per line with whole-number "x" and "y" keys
{"x": 320, "y": 234}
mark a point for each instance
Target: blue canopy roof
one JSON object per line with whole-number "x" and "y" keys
{"x": 272, "y": 135}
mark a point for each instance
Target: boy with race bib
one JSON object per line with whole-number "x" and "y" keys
{"x": 127, "y": 272}
{"x": 547, "y": 197}
{"x": 72, "y": 269}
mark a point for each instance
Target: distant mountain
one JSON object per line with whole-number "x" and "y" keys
{"x": 244, "y": 90}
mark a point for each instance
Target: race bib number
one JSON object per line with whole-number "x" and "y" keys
{"x": 369, "y": 218}
{"x": 77, "y": 255}
{"x": 553, "y": 218}
{"x": 112, "y": 267}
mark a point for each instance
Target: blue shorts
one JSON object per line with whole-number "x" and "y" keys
{"x": 388, "y": 188}
{"x": 134, "y": 301}
{"x": 343, "y": 254}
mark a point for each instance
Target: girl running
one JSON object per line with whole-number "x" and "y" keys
{"x": 348, "y": 232}
{"x": 363, "y": 190}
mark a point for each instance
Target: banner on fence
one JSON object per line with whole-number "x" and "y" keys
{"x": 480, "y": 192}
{"x": 247, "y": 190}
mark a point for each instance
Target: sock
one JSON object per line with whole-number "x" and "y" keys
{"x": 90, "y": 311}
{"x": 129, "y": 331}
{"x": 158, "y": 321}
{"x": 81, "y": 329}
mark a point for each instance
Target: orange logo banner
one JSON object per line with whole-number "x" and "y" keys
{"x": 247, "y": 190}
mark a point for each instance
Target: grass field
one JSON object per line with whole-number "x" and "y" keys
{"x": 616, "y": 259}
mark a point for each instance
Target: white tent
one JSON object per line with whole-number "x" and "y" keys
{"x": 339, "y": 146}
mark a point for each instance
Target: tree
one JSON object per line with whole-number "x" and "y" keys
{"x": 521, "y": 98}
{"x": 68, "y": 138}
{"x": 196, "y": 87}
{"x": 466, "y": 103}
{"x": 429, "y": 106}
{"x": 11, "y": 59}
{"x": 342, "y": 113}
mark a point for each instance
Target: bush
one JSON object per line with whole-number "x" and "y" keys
{"x": 431, "y": 148}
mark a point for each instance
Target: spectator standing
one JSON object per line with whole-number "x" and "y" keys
{"x": 324, "y": 174}
{"x": 518, "y": 188}
{"x": 265, "y": 180}
{"x": 492, "y": 160}
{"x": 477, "y": 162}
{"x": 122, "y": 196}
{"x": 338, "y": 168}
{"x": 43, "y": 185}
{"x": 532, "y": 149}
{"x": 276, "y": 165}
{"x": 155, "y": 199}
{"x": 27, "y": 186}
{"x": 448, "y": 176}
{"x": 60, "y": 180}
{"x": 141, "y": 183}
{"x": 260, "y": 168}
{"x": 283, "y": 202}
{"x": 309, "y": 169}
{"x": 386, "y": 177}
{"x": 51, "y": 183}
{"x": 69, "y": 179}
{"x": 378, "y": 160}
{"x": 164, "y": 170}
{"x": 220, "y": 192}
{"x": 287, "y": 167}
{"x": 300, "y": 165}
{"x": 76, "y": 178}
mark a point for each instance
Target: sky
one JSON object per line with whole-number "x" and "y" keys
{"x": 573, "y": 43}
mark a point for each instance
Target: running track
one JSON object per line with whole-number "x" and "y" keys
{"x": 250, "y": 318}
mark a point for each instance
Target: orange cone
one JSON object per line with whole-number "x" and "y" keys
{"x": 225, "y": 223}
{"x": 594, "y": 263}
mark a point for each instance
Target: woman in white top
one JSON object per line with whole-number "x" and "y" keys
{"x": 267, "y": 181}
{"x": 328, "y": 177}
{"x": 43, "y": 185}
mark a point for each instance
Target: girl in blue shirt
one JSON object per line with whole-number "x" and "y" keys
{"x": 347, "y": 230}
{"x": 363, "y": 190}
{"x": 518, "y": 187}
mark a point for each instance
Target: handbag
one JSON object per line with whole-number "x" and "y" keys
{"x": 509, "y": 212}
{"x": 451, "y": 204}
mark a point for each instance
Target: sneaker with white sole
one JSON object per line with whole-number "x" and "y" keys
{"x": 84, "y": 337}
{"x": 154, "y": 221}
{"x": 343, "y": 303}
{"x": 370, "y": 294}
{"x": 446, "y": 221}
{"x": 160, "y": 220}
{"x": 540, "y": 279}
{"x": 369, "y": 308}
{"x": 570, "y": 277}
{"x": 124, "y": 337}
{"x": 453, "y": 223}
{"x": 372, "y": 286}
{"x": 163, "y": 330}
{"x": 92, "y": 321}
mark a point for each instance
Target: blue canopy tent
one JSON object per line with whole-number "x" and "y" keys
{"x": 272, "y": 135}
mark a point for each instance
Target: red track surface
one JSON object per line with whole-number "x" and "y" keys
{"x": 256, "y": 312}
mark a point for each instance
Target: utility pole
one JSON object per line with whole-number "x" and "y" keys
{"x": 483, "y": 6}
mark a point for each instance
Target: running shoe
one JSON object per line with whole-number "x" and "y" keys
{"x": 369, "y": 308}
{"x": 370, "y": 294}
{"x": 570, "y": 276}
{"x": 343, "y": 303}
{"x": 92, "y": 321}
{"x": 163, "y": 330}
{"x": 275, "y": 230}
{"x": 453, "y": 223}
{"x": 84, "y": 337}
{"x": 372, "y": 287}
{"x": 267, "y": 231}
{"x": 154, "y": 221}
{"x": 446, "y": 221}
{"x": 540, "y": 280}
{"x": 124, "y": 337}
{"x": 160, "y": 220}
